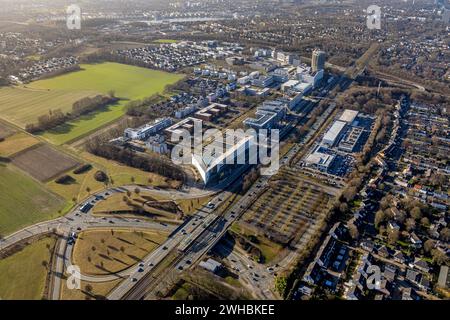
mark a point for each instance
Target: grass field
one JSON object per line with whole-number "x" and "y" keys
{"x": 16, "y": 143}
{"x": 115, "y": 202}
{"x": 22, "y": 275}
{"x": 269, "y": 249}
{"x": 89, "y": 290}
{"x": 6, "y": 131}
{"x": 24, "y": 201}
{"x": 165, "y": 41}
{"x": 22, "y": 105}
{"x": 120, "y": 175}
{"x": 103, "y": 252}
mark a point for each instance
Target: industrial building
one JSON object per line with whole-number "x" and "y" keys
{"x": 334, "y": 133}
{"x": 144, "y": 132}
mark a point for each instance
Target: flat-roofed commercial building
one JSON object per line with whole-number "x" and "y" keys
{"x": 351, "y": 139}
{"x": 319, "y": 160}
{"x": 333, "y": 133}
{"x": 263, "y": 81}
{"x": 144, "y": 132}
{"x": 349, "y": 116}
{"x": 210, "y": 166}
{"x": 211, "y": 111}
{"x": 268, "y": 115}
{"x": 289, "y": 85}
{"x": 185, "y": 124}
{"x": 211, "y": 265}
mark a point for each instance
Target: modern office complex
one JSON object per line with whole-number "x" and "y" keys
{"x": 215, "y": 161}
{"x": 267, "y": 116}
{"x": 144, "y": 132}
{"x": 318, "y": 60}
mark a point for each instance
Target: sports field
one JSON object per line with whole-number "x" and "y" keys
{"x": 22, "y": 105}
{"x": 24, "y": 201}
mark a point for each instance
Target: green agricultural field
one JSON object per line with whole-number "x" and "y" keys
{"x": 23, "y": 201}
{"x": 22, "y": 105}
{"x": 23, "y": 275}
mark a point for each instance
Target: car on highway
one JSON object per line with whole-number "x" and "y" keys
{"x": 133, "y": 280}
{"x": 141, "y": 270}
{"x": 210, "y": 205}
{"x": 164, "y": 248}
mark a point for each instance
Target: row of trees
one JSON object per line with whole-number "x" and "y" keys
{"x": 130, "y": 158}
{"x": 151, "y": 107}
{"x": 83, "y": 106}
